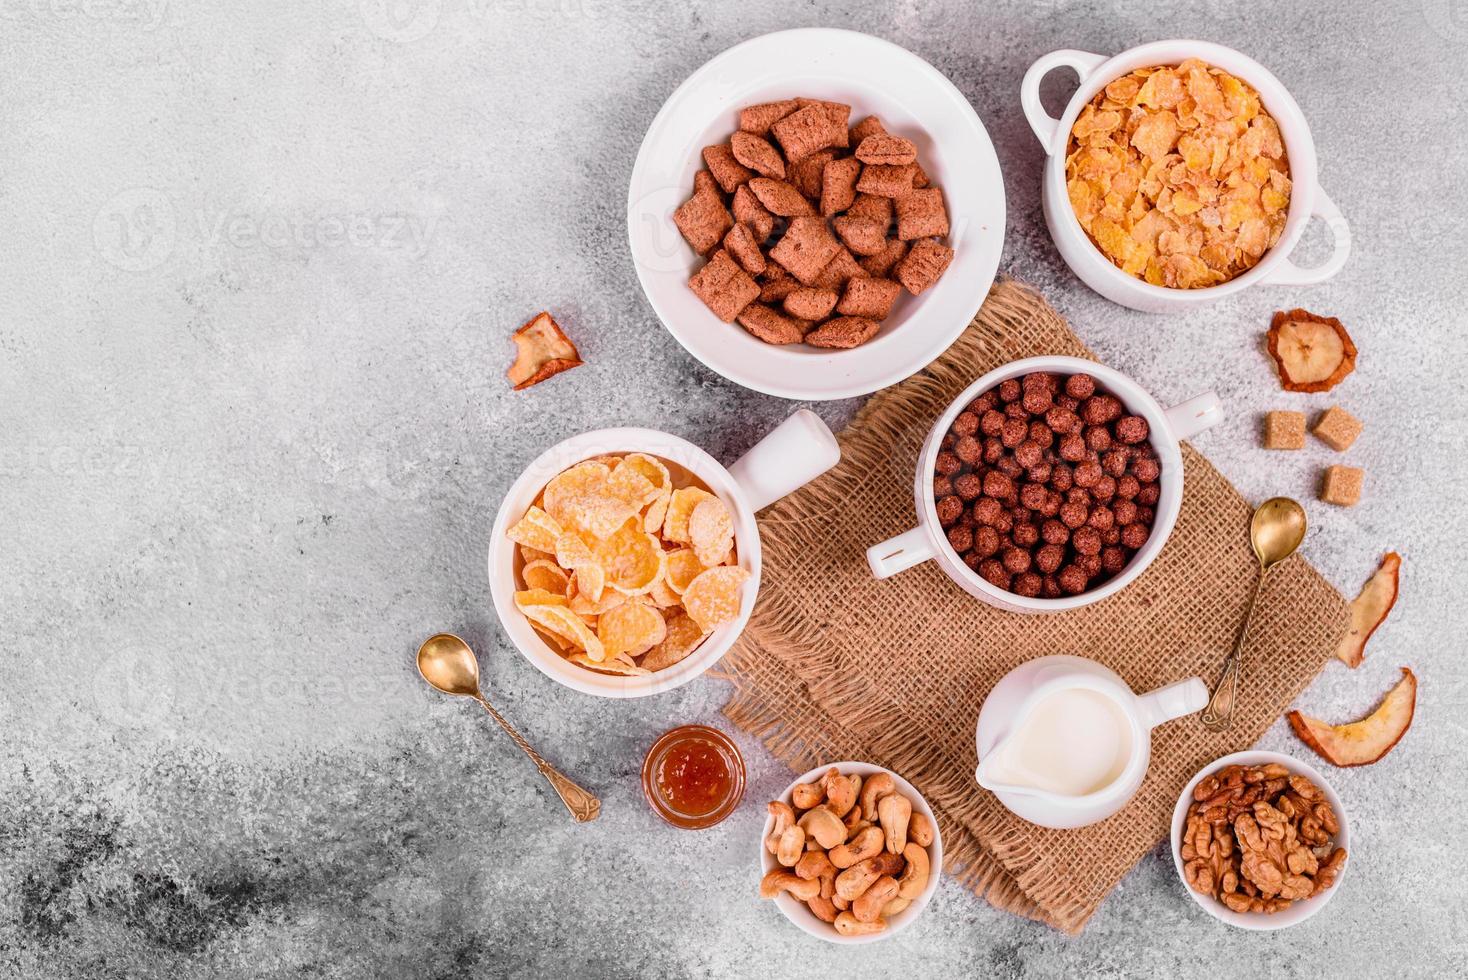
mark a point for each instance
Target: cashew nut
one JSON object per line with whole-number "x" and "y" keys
{"x": 814, "y": 864}
{"x": 895, "y": 812}
{"x": 869, "y": 904}
{"x": 849, "y": 925}
{"x": 807, "y": 795}
{"x": 865, "y": 845}
{"x": 840, "y": 903}
{"x": 857, "y": 879}
{"x": 828, "y": 883}
{"x": 915, "y": 877}
{"x": 778, "y": 880}
{"x": 791, "y": 846}
{"x": 840, "y": 791}
{"x": 824, "y": 826}
{"x": 822, "y": 909}
{"x": 889, "y": 864}
{"x": 920, "y": 829}
{"x": 853, "y": 821}
{"x": 784, "y": 817}
{"x": 876, "y": 787}
{"x": 895, "y": 906}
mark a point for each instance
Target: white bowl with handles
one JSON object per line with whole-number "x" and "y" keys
{"x": 1169, "y": 426}
{"x": 1307, "y": 198}
{"x": 875, "y": 77}
{"x": 795, "y": 452}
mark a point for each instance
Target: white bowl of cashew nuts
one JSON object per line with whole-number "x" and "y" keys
{"x": 800, "y": 854}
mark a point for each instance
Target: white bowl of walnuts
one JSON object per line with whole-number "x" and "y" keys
{"x": 850, "y": 853}
{"x": 1260, "y": 840}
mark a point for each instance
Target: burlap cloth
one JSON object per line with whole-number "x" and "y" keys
{"x": 837, "y": 665}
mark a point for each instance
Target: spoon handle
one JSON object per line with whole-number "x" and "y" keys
{"x": 583, "y": 805}
{"x": 1219, "y": 715}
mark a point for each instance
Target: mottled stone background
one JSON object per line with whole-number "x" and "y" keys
{"x": 263, "y": 260}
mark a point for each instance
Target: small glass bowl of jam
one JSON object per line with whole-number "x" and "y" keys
{"x": 693, "y": 777}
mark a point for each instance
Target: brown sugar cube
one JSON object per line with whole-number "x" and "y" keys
{"x": 1284, "y": 430}
{"x": 810, "y": 304}
{"x": 723, "y": 286}
{"x": 758, "y": 119}
{"x": 870, "y": 126}
{"x": 838, "y": 185}
{"x": 779, "y": 197}
{"x": 843, "y": 333}
{"x": 839, "y": 271}
{"x": 924, "y": 263}
{"x": 1342, "y": 485}
{"x": 892, "y": 150}
{"x": 1336, "y": 427}
{"x": 872, "y": 206}
{"x": 729, "y": 172}
{"x": 769, "y": 325}
{"x": 749, "y": 211}
{"x": 702, "y": 218}
{"x": 839, "y": 115}
{"x": 864, "y": 236}
{"x": 741, "y": 245}
{"x": 808, "y": 173}
{"x": 807, "y": 130}
{"x": 867, "y": 297}
{"x": 757, "y": 154}
{"x": 886, "y": 181}
{"x": 921, "y": 214}
{"x": 806, "y": 249}
{"x": 880, "y": 266}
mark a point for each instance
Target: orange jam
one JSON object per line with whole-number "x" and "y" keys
{"x": 693, "y": 777}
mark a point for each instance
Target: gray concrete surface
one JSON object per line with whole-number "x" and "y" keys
{"x": 263, "y": 261}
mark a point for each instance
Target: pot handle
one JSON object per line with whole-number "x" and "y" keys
{"x": 900, "y": 553}
{"x": 1041, "y": 121}
{"x": 1187, "y": 419}
{"x": 795, "y": 452}
{"x": 1173, "y": 701}
{"x": 1289, "y": 274}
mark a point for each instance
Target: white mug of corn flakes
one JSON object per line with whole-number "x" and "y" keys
{"x": 625, "y": 562}
{"x": 1180, "y": 172}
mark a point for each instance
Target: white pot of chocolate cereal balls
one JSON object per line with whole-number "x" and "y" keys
{"x": 1050, "y": 483}
{"x": 1180, "y": 172}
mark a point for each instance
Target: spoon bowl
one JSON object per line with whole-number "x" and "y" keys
{"x": 447, "y": 663}
{"x": 1276, "y": 530}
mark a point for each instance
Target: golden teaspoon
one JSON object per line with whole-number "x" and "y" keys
{"x": 1275, "y": 532}
{"x": 447, "y": 663}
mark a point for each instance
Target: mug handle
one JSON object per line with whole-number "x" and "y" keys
{"x": 900, "y": 553}
{"x": 1173, "y": 701}
{"x": 1044, "y": 124}
{"x": 1187, "y": 419}
{"x": 794, "y": 453}
{"x": 1289, "y": 274}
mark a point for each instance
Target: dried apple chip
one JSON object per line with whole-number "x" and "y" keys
{"x": 1369, "y": 610}
{"x": 546, "y": 576}
{"x": 683, "y": 637}
{"x": 542, "y": 351}
{"x": 714, "y": 598}
{"x": 711, "y": 531}
{"x": 632, "y": 628}
{"x": 537, "y": 530}
{"x": 1313, "y": 353}
{"x": 633, "y": 559}
{"x": 1368, "y": 740}
{"x": 680, "y": 508}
